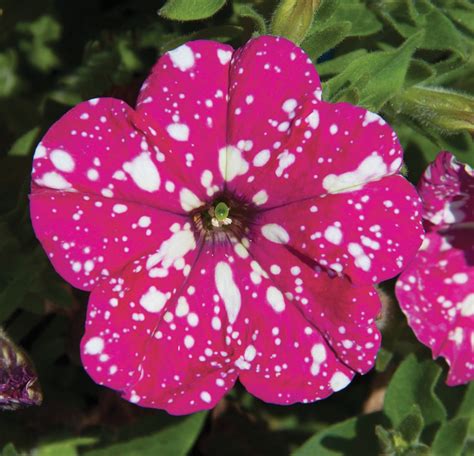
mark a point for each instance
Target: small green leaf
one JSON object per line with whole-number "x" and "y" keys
{"x": 67, "y": 447}
{"x": 363, "y": 21}
{"x": 414, "y": 383}
{"x": 450, "y": 438}
{"x": 322, "y": 41}
{"x": 411, "y": 426}
{"x": 190, "y": 10}
{"x": 25, "y": 143}
{"x": 326, "y": 10}
{"x": 466, "y": 409}
{"x": 9, "y": 80}
{"x": 351, "y": 437}
{"x": 385, "y": 440}
{"x": 339, "y": 64}
{"x": 9, "y": 450}
{"x": 247, "y": 12}
{"x": 418, "y": 71}
{"x": 37, "y": 37}
{"x": 384, "y": 357}
{"x": 418, "y": 449}
{"x": 223, "y": 33}
{"x": 174, "y": 440}
{"x": 378, "y": 76}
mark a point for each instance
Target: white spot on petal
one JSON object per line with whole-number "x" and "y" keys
{"x": 153, "y": 300}
{"x": 339, "y": 381}
{"x": 62, "y": 160}
{"x": 275, "y": 233}
{"x": 228, "y": 290}
{"x": 143, "y": 172}
{"x": 94, "y": 346}
{"x": 179, "y": 132}
{"x": 275, "y": 299}
{"x": 182, "y": 57}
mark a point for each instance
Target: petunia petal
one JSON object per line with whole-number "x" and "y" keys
{"x": 288, "y": 359}
{"x": 95, "y": 148}
{"x": 329, "y": 148}
{"x": 271, "y": 80}
{"x": 436, "y": 293}
{"x": 369, "y": 234}
{"x": 125, "y": 309}
{"x": 183, "y": 107}
{"x": 447, "y": 191}
{"x": 192, "y": 363}
{"x": 87, "y": 236}
{"x": 343, "y": 314}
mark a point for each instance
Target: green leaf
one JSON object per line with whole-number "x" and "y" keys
{"x": 414, "y": 383}
{"x": 384, "y": 357}
{"x": 339, "y": 64}
{"x": 466, "y": 409}
{"x": 353, "y": 436}
{"x": 463, "y": 17}
{"x": 175, "y": 440}
{"x": 9, "y": 450}
{"x": 190, "y": 10}
{"x": 24, "y": 144}
{"x": 326, "y": 10}
{"x": 419, "y": 71}
{"x": 411, "y": 426}
{"x": 377, "y": 76}
{"x": 321, "y": 41}
{"x": 67, "y": 447}
{"x": 222, "y": 33}
{"x": 450, "y": 438}
{"x": 363, "y": 21}
{"x": 439, "y": 33}
{"x": 39, "y": 35}
{"x": 9, "y": 80}
{"x": 385, "y": 440}
{"x": 247, "y": 12}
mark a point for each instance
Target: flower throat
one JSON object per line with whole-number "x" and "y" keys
{"x": 225, "y": 218}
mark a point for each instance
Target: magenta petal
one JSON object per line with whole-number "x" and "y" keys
{"x": 95, "y": 148}
{"x": 447, "y": 191}
{"x": 183, "y": 107}
{"x": 329, "y": 148}
{"x": 342, "y": 313}
{"x": 87, "y": 236}
{"x": 271, "y": 80}
{"x": 368, "y": 234}
{"x": 288, "y": 360}
{"x": 436, "y": 293}
{"x": 125, "y": 309}
{"x": 191, "y": 362}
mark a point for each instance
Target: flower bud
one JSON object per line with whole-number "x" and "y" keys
{"x": 19, "y": 386}
{"x": 440, "y": 109}
{"x": 293, "y": 18}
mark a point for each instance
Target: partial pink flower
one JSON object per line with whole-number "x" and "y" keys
{"x": 232, "y": 225}
{"x": 436, "y": 291}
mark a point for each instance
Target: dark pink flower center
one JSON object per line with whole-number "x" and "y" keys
{"x": 224, "y": 218}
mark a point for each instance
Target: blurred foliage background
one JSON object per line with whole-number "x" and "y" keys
{"x": 410, "y": 60}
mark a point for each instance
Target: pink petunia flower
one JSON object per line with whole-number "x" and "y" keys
{"x": 232, "y": 225}
{"x": 436, "y": 291}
